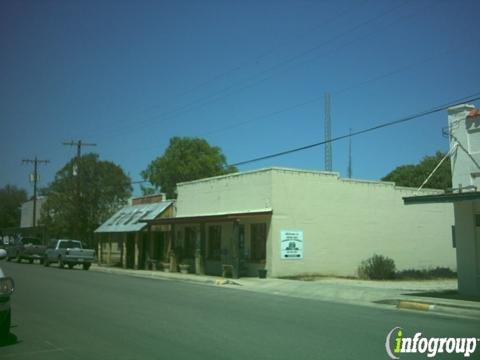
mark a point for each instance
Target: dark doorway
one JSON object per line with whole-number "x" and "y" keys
{"x": 158, "y": 245}
{"x": 130, "y": 256}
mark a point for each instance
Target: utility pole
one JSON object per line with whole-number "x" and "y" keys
{"x": 79, "y": 145}
{"x": 76, "y": 172}
{"x": 35, "y": 163}
{"x": 328, "y": 134}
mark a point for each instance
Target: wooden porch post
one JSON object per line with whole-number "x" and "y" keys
{"x": 199, "y": 254}
{"x": 235, "y": 258}
{"x": 173, "y": 258}
{"x": 124, "y": 250}
{"x": 137, "y": 250}
{"x": 109, "y": 254}
{"x": 151, "y": 248}
{"x": 99, "y": 249}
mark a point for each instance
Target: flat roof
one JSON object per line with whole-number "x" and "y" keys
{"x": 333, "y": 174}
{"x": 442, "y": 198}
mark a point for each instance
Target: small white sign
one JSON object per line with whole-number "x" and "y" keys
{"x": 291, "y": 244}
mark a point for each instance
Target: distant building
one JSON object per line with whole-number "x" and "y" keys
{"x": 464, "y": 133}
{"x": 26, "y": 220}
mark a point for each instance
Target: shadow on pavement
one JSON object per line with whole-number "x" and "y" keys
{"x": 445, "y": 294}
{"x": 10, "y": 340}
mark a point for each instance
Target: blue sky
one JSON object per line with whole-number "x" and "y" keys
{"x": 128, "y": 75}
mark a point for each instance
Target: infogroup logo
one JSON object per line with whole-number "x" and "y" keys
{"x": 396, "y": 343}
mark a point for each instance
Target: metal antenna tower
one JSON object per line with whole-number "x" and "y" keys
{"x": 328, "y": 134}
{"x": 350, "y": 154}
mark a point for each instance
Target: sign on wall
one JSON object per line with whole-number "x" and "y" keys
{"x": 291, "y": 244}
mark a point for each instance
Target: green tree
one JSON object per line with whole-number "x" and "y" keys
{"x": 11, "y": 199}
{"x": 185, "y": 159}
{"x": 415, "y": 175}
{"x": 84, "y": 194}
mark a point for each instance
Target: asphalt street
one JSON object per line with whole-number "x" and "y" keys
{"x": 76, "y": 314}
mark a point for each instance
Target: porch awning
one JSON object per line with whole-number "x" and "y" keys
{"x": 442, "y": 198}
{"x": 132, "y": 218}
{"x": 217, "y": 217}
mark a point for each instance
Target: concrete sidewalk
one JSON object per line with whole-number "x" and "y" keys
{"x": 400, "y": 294}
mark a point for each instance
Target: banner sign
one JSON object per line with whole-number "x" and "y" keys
{"x": 291, "y": 244}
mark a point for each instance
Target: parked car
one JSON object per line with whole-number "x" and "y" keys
{"x": 68, "y": 252}
{"x": 26, "y": 248}
{"x": 6, "y": 289}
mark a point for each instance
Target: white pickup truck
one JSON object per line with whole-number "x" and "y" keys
{"x": 68, "y": 252}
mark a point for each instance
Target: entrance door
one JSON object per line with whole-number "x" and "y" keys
{"x": 158, "y": 245}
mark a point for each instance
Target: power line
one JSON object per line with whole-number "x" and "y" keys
{"x": 246, "y": 84}
{"x": 469, "y": 98}
{"x": 341, "y": 91}
{"x": 265, "y": 53}
{"x": 337, "y": 92}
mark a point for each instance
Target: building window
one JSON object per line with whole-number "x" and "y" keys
{"x": 258, "y": 242}
{"x": 214, "y": 242}
{"x": 189, "y": 246}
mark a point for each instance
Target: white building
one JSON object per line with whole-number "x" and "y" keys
{"x": 26, "y": 220}
{"x": 464, "y": 132}
{"x": 292, "y": 222}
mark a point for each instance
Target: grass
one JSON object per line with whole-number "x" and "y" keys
{"x": 426, "y": 274}
{"x": 403, "y": 275}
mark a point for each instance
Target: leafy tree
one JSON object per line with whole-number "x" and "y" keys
{"x": 415, "y": 175}
{"x": 186, "y": 159}
{"x": 84, "y": 194}
{"x": 11, "y": 199}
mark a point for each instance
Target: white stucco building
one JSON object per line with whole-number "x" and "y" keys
{"x": 464, "y": 133}
{"x": 26, "y": 219}
{"x": 292, "y": 222}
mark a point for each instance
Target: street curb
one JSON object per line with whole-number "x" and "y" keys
{"x": 435, "y": 308}
{"x": 412, "y": 305}
{"x": 160, "y": 276}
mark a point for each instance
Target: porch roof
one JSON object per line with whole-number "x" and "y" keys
{"x": 216, "y": 217}
{"x": 442, "y": 198}
{"x": 132, "y": 218}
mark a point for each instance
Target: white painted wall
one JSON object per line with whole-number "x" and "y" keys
{"x": 347, "y": 221}
{"x": 344, "y": 221}
{"x": 230, "y": 193}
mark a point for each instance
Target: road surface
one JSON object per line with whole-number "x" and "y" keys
{"x": 76, "y": 314}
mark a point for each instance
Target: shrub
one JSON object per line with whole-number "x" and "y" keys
{"x": 377, "y": 267}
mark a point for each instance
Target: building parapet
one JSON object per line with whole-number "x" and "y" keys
{"x": 326, "y": 174}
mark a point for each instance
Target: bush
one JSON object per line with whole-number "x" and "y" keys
{"x": 377, "y": 267}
